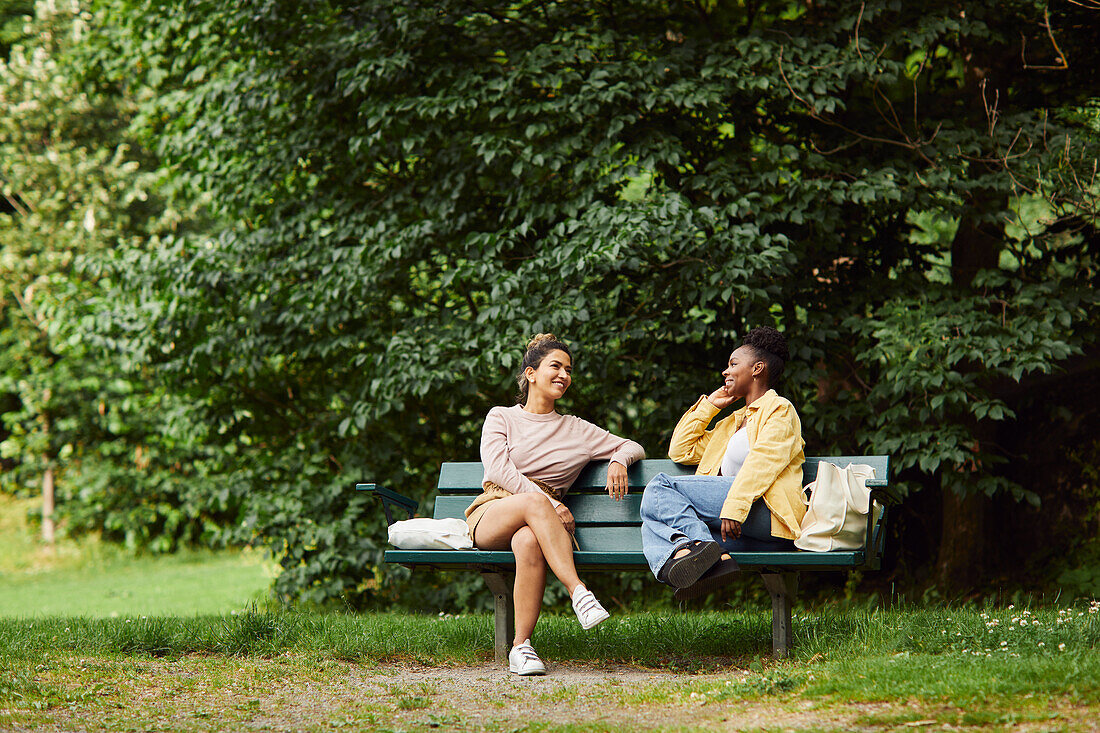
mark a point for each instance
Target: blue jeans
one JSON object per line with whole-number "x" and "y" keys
{"x": 678, "y": 510}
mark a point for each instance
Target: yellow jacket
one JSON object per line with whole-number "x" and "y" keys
{"x": 773, "y": 468}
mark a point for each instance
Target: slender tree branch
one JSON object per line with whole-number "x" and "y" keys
{"x": 915, "y": 146}
{"x": 16, "y": 205}
{"x": 1062, "y": 63}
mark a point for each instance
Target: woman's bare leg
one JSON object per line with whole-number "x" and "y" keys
{"x": 530, "y": 582}
{"x": 507, "y": 516}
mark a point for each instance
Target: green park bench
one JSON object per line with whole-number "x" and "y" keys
{"x": 609, "y": 536}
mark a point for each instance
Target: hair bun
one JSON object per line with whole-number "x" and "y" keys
{"x": 541, "y": 338}
{"x": 766, "y": 338}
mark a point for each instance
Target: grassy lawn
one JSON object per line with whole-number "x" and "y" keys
{"x": 88, "y": 578}
{"x": 852, "y": 669}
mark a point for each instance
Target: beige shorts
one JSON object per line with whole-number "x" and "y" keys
{"x": 491, "y": 492}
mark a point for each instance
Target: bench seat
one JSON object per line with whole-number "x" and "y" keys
{"x": 464, "y": 559}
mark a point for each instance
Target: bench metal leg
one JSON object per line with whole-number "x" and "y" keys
{"x": 504, "y": 616}
{"x": 783, "y": 588}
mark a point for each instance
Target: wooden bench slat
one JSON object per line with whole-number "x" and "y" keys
{"x": 881, "y": 464}
{"x": 627, "y": 560}
{"x": 465, "y": 477}
{"x": 587, "y": 508}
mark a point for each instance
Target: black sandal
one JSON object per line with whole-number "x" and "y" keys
{"x": 721, "y": 573}
{"x": 681, "y": 572}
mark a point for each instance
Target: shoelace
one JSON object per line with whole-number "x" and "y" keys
{"x": 586, "y": 603}
{"x": 528, "y": 653}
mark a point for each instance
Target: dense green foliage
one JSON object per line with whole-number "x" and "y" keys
{"x": 125, "y": 459}
{"x": 403, "y": 192}
{"x": 14, "y": 15}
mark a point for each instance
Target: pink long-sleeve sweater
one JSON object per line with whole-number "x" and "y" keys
{"x": 517, "y": 446}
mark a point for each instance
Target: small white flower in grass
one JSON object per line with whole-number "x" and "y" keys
{"x": 1035, "y": 622}
{"x": 1042, "y": 644}
{"x": 1004, "y": 643}
{"x": 1011, "y": 606}
{"x": 1062, "y": 647}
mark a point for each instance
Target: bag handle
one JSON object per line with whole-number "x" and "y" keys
{"x": 858, "y": 497}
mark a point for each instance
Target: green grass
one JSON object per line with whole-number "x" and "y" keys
{"x": 183, "y": 584}
{"x": 88, "y": 578}
{"x": 906, "y": 651}
{"x": 974, "y": 668}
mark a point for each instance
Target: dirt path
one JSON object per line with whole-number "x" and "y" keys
{"x": 292, "y": 694}
{"x": 625, "y": 698}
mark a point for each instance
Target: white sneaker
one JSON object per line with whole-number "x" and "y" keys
{"x": 523, "y": 661}
{"x": 588, "y": 609}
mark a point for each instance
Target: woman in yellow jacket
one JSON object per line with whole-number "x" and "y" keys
{"x": 746, "y": 494}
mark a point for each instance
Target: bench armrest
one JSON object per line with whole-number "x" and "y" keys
{"x": 390, "y": 498}
{"x": 882, "y": 492}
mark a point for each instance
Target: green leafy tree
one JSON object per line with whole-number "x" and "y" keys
{"x": 13, "y": 19}
{"x": 75, "y": 413}
{"x": 409, "y": 190}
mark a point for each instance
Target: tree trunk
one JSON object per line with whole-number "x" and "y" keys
{"x": 47, "y": 505}
{"x": 962, "y": 556}
{"x": 47, "y": 477}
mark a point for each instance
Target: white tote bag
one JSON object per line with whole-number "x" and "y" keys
{"x": 423, "y": 533}
{"x": 838, "y": 508}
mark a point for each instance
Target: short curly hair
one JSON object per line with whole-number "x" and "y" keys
{"x": 769, "y": 346}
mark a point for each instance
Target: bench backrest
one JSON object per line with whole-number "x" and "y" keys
{"x": 604, "y": 524}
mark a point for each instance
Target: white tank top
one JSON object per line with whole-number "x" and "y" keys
{"x": 737, "y": 450}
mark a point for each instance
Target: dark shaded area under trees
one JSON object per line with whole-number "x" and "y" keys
{"x": 382, "y": 201}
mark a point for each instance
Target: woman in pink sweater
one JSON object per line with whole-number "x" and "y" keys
{"x": 532, "y": 454}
